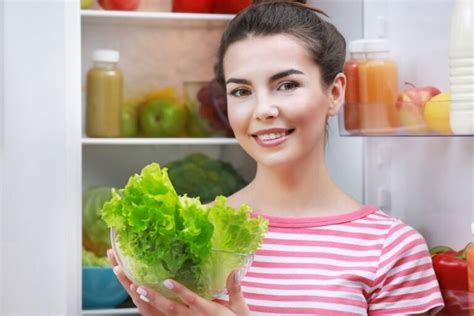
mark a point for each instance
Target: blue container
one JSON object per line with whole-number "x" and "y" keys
{"x": 101, "y": 288}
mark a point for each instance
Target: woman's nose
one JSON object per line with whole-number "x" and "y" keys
{"x": 265, "y": 108}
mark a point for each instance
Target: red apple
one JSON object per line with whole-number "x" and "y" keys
{"x": 410, "y": 105}
{"x": 121, "y": 5}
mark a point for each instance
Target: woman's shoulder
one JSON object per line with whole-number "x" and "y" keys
{"x": 234, "y": 200}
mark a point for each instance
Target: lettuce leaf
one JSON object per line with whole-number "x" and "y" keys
{"x": 170, "y": 236}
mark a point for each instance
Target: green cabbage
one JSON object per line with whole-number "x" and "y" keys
{"x": 90, "y": 259}
{"x": 95, "y": 233}
{"x": 199, "y": 175}
{"x": 172, "y": 236}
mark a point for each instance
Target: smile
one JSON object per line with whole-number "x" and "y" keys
{"x": 272, "y": 138}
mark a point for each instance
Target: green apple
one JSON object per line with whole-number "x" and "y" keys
{"x": 86, "y": 3}
{"x": 163, "y": 118}
{"x": 197, "y": 127}
{"x": 129, "y": 126}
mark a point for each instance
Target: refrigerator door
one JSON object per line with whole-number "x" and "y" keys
{"x": 40, "y": 158}
{"x": 426, "y": 181}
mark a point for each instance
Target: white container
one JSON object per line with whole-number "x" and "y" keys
{"x": 461, "y": 67}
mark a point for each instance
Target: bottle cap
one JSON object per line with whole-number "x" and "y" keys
{"x": 106, "y": 55}
{"x": 356, "y": 46}
{"x": 376, "y": 46}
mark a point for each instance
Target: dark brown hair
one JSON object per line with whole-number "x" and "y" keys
{"x": 326, "y": 45}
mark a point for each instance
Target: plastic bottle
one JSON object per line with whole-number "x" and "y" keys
{"x": 378, "y": 83}
{"x": 470, "y": 271}
{"x": 461, "y": 67}
{"x": 104, "y": 95}
{"x": 352, "y": 96}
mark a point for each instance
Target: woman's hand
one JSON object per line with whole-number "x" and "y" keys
{"x": 151, "y": 303}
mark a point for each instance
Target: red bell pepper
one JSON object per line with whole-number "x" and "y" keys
{"x": 451, "y": 270}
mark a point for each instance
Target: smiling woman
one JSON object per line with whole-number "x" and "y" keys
{"x": 277, "y": 103}
{"x": 325, "y": 253}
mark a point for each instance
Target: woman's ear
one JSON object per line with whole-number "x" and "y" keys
{"x": 336, "y": 94}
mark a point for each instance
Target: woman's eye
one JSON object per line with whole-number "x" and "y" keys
{"x": 288, "y": 85}
{"x": 240, "y": 92}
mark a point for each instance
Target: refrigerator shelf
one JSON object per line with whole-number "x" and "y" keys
{"x": 145, "y": 17}
{"x": 159, "y": 141}
{"x": 114, "y": 311}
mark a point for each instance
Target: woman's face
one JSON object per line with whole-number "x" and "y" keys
{"x": 277, "y": 105}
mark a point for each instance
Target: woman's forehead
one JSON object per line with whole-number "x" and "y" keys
{"x": 266, "y": 52}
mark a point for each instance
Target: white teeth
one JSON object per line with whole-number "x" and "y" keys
{"x": 271, "y": 136}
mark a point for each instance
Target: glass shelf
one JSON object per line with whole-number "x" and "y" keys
{"x": 160, "y": 141}
{"x": 410, "y": 120}
{"x": 114, "y": 311}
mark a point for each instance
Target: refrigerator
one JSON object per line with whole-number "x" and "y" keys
{"x": 47, "y": 161}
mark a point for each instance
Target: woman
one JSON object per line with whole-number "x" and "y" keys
{"x": 325, "y": 253}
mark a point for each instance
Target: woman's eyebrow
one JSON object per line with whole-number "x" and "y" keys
{"x": 285, "y": 73}
{"x": 274, "y": 77}
{"x": 238, "y": 81}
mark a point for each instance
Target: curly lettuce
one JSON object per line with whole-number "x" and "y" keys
{"x": 166, "y": 235}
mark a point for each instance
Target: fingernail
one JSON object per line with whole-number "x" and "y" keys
{"x": 142, "y": 291}
{"x": 116, "y": 269}
{"x": 109, "y": 254}
{"x": 168, "y": 284}
{"x": 237, "y": 276}
{"x": 144, "y": 298}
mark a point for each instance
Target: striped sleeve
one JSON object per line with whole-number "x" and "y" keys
{"x": 405, "y": 282}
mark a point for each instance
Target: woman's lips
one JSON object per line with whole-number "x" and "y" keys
{"x": 272, "y": 137}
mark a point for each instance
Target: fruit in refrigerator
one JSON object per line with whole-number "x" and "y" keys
{"x": 213, "y": 107}
{"x": 230, "y": 6}
{"x": 192, "y": 6}
{"x": 120, "y": 5}
{"x": 436, "y": 113}
{"x": 163, "y": 118}
{"x": 129, "y": 126}
{"x": 410, "y": 106}
{"x": 85, "y": 4}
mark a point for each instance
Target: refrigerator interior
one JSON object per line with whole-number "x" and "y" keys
{"x": 155, "y": 54}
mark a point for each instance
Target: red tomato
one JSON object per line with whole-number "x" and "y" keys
{"x": 230, "y": 6}
{"x": 122, "y": 5}
{"x": 192, "y": 6}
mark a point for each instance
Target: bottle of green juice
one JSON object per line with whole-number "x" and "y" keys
{"x": 104, "y": 86}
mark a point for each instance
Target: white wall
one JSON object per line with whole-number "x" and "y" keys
{"x": 431, "y": 180}
{"x": 40, "y": 227}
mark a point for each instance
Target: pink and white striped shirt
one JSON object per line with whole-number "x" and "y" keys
{"x": 364, "y": 262}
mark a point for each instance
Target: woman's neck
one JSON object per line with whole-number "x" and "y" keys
{"x": 302, "y": 188}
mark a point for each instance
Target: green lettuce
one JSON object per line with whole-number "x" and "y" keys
{"x": 164, "y": 235}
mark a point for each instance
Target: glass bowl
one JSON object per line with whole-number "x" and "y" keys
{"x": 212, "y": 276}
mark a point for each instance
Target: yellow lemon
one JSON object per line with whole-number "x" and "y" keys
{"x": 436, "y": 113}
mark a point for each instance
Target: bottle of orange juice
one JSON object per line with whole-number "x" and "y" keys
{"x": 470, "y": 271}
{"x": 352, "y": 96}
{"x": 378, "y": 87}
